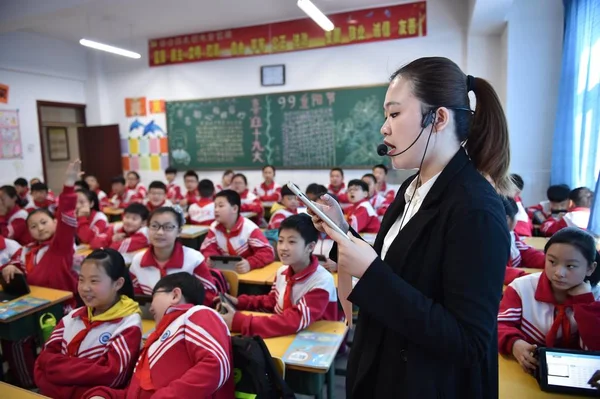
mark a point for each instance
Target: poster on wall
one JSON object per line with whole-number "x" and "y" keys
{"x": 135, "y": 106}
{"x": 3, "y": 94}
{"x": 157, "y": 106}
{"x": 10, "y": 135}
{"x": 58, "y": 143}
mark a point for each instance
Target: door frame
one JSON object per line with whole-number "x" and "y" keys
{"x": 39, "y": 105}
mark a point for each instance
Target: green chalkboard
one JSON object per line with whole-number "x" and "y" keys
{"x": 305, "y": 129}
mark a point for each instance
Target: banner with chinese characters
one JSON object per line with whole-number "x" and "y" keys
{"x": 362, "y": 26}
{"x": 10, "y": 135}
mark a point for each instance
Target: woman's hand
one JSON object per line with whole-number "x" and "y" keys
{"x": 330, "y": 265}
{"x": 524, "y": 354}
{"x": 8, "y": 273}
{"x": 72, "y": 173}
{"x": 333, "y": 210}
{"x": 354, "y": 255}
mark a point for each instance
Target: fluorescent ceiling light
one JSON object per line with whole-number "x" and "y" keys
{"x": 312, "y": 11}
{"x": 110, "y": 49}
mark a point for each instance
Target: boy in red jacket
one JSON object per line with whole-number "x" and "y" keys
{"x": 361, "y": 215}
{"x": 190, "y": 179}
{"x": 40, "y": 199}
{"x": 203, "y": 211}
{"x": 337, "y": 186}
{"x": 290, "y": 204}
{"x": 188, "y": 356}
{"x": 121, "y": 196}
{"x": 173, "y": 190}
{"x": 580, "y": 202}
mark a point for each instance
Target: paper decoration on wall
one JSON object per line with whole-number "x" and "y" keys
{"x": 145, "y": 154}
{"x": 10, "y": 135}
{"x": 151, "y": 129}
{"x": 4, "y": 94}
{"x": 157, "y": 106}
{"x": 135, "y": 106}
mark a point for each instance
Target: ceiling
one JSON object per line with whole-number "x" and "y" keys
{"x": 117, "y": 21}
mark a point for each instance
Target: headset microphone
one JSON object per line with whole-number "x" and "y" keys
{"x": 428, "y": 118}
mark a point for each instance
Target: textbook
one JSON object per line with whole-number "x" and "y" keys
{"x": 313, "y": 349}
{"x": 22, "y": 305}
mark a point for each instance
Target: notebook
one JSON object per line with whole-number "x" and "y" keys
{"x": 313, "y": 349}
{"x": 10, "y": 309}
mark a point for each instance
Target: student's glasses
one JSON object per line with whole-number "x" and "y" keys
{"x": 166, "y": 227}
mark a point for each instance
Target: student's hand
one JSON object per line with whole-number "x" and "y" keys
{"x": 8, "y": 273}
{"x": 72, "y": 173}
{"x": 228, "y": 317}
{"x": 333, "y": 210}
{"x": 118, "y": 237}
{"x": 242, "y": 266}
{"x": 355, "y": 256}
{"x": 595, "y": 380}
{"x": 233, "y": 299}
{"x": 523, "y": 353}
{"x": 330, "y": 265}
{"x": 83, "y": 211}
{"x": 583, "y": 288}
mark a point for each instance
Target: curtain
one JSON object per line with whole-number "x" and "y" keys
{"x": 576, "y": 145}
{"x": 594, "y": 225}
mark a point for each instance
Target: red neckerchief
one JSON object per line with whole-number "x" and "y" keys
{"x": 383, "y": 187}
{"x": 44, "y": 204}
{"x": 175, "y": 261}
{"x": 2, "y": 243}
{"x": 235, "y": 231}
{"x": 202, "y": 202}
{"x": 142, "y": 371}
{"x": 267, "y": 188}
{"x": 152, "y": 207}
{"x": 291, "y": 278}
{"x": 192, "y": 196}
{"x": 30, "y": 255}
{"x": 334, "y": 190}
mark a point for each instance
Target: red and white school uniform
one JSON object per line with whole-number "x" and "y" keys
{"x": 192, "y": 196}
{"x": 46, "y": 204}
{"x": 202, "y": 211}
{"x": 388, "y": 194}
{"x": 153, "y": 207}
{"x": 522, "y": 255}
{"x": 89, "y": 227}
{"x": 102, "y": 198}
{"x": 363, "y": 218}
{"x": 220, "y": 187}
{"x": 8, "y": 248}
{"x": 140, "y": 191}
{"x": 251, "y": 203}
{"x": 524, "y": 226}
{"x": 123, "y": 200}
{"x": 323, "y": 246}
{"x": 13, "y": 225}
{"x": 127, "y": 246}
{"x": 528, "y": 311}
{"x": 245, "y": 239}
{"x": 81, "y": 354}
{"x": 271, "y": 192}
{"x": 380, "y": 204}
{"x": 576, "y": 217}
{"x": 145, "y": 270}
{"x": 296, "y": 299}
{"x": 279, "y": 216}
{"x": 51, "y": 196}
{"x": 174, "y": 193}
{"x": 25, "y": 197}
{"x": 339, "y": 192}
{"x": 188, "y": 356}
{"x": 543, "y": 207}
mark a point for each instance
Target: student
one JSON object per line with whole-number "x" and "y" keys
{"x": 121, "y": 196}
{"x": 96, "y": 344}
{"x": 81, "y": 185}
{"x": 173, "y": 190}
{"x": 157, "y": 196}
{"x": 290, "y": 203}
{"x": 380, "y": 171}
{"x": 133, "y": 183}
{"x": 127, "y": 237}
{"x": 558, "y": 202}
{"x": 8, "y": 248}
{"x": 361, "y": 216}
{"x": 22, "y": 188}
{"x": 13, "y": 223}
{"x": 192, "y": 195}
{"x": 524, "y": 226}
{"x": 166, "y": 255}
{"x": 250, "y": 202}
{"x": 232, "y": 234}
{"x": 521, "y": 254}
{"x": 225, "y": 181}
{"x": 337, "y": 186}
{"x": 314, "y": 191}
{"x": 557, "y": 308}
{"x": 268, "y": 190}
{"x": 203, "y": 211}
{"x": 303, "y": 291}
{"x": 35, "y": 180}
{"x": 92, "y": 181}
{"x": 195, "y": 363}
{"x": 580, "y": 202}
{"x": 90, "y": 221}
{"x": 40, "y": 200}
{"x": 378, "y": 201}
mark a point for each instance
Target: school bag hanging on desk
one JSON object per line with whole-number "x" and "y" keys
{"x": 254, "y": 371}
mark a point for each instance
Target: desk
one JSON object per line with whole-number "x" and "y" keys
{"x": 113, "y": 214}
{"x": 193, "y": 235}
{"x": 83, "y": 250}
{"x": 536, "y": 242}
{"x": 264, "y": 276}
{"x": 12, "y": 392}
{"x": 248, "y": 215}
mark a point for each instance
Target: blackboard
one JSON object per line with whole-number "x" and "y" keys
{"x": 305, "y": 129}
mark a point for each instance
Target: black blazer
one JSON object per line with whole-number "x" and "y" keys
{"x": 427, "y": 321}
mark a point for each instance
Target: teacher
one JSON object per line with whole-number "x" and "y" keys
{"x": 430, "y": 288}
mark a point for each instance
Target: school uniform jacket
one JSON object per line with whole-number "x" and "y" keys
{"x": 152, "y": 207}
{"x": 13, "y": 225}
{"x": 380, "y": 203}
{"x": 576, "y": 217}
{"x": 245, "y": 239}
{"x": 270, "y": 192}
{"x": 324, "y": 245}
{"x": 102, "y": 198}
{"x": 202, "y": 211}
{"x": 123, "y": 200}
{"x": 279, "y": 217}
{"x": 427, "y": 321}
{"x": 8, "y": 248}
{"x": 313, "y": 297}
{"x": 528, "y": 311}
{"x": 192, "y": 359}
{"x": 522, "y": 255}
{"x": 46, "y": 204}
{"x": 127, "y": 246}
{"x": 145, "y": 272}
{"x": 251, "y": 203}
{"x": 340, "y": 193}
{"x": 363, "y": 218}
{"x": 140, "y": 191}
{"x": 192, "y": 196}
{"x": 524, "y": 226}
{"x": 89, "y": 227}
{"x": 106, "y": 356}
{"x": 174, "y": 192}
{"x": 387, "y": 194}
{"x": 543, "y": 207}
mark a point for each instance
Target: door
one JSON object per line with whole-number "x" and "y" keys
{"x": 100, "y": 152}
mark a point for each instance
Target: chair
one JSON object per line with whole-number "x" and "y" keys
{"x": 280, "y": 366}
{"x": 233, "y": 281}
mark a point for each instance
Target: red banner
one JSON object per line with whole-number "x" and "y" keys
{"x": 363, "y": 26}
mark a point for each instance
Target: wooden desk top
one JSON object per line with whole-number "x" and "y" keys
{"x": 12, "y": 392}
{"x": 248, "y": 215}
{"x": 83, "y": 250}
{"x": 190, "y": 231}
{"x": 112, "y": 211}
{"x": 264, "y": 276}
{"x": 52, "y": 295}
{"x": 536, "y": 242}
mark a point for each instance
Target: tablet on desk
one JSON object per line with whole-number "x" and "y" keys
{"x": 225, "y": 262}
{"x": 567, "y": 371}
{"x": 17, "y": 287}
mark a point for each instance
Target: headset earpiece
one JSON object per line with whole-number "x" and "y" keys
{"x": 428, "y": 118}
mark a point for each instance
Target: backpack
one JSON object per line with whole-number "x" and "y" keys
{"x": 220, "y": 281}
{"x": 254, "y": 372}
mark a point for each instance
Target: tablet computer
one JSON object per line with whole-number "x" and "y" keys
{"x": 567, "y": 371}
{"x": 17, "y": 287}
{"x": 225, "y": 262}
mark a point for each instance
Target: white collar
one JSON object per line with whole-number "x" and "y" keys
{"x": 422, "y": 191}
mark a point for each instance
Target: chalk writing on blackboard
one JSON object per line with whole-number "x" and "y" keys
{"x": 219, "y": 141}
{"x": 308, "y": 137}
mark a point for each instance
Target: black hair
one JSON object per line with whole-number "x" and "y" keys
{"x": 381, "y": 166}
{"x": 114, "y": 265}
{"x": 190, "y": 173}
{"x": 137, "y": 209}
{"x": 582, "y": 197}
{"x": 12, "y": 193}
{"x": 270, "y": 166}
{"x": 510, "y": 207}
{"x": 232, "y": 197}
{"x": 558, "y": 193}
{"x": 168, "y": 209}
{"x": 82, "y": 185}
{"x": 359, "y": 183}
{"x": 302, "y": 223}
{"x": 228, "y": 172}
{"x": 584, "y": 242}
{"x": 370, "y": 176}
{"x": 45, "y": 211}
{"x": 285, "y": 191}
{"x": 316, "y": 189}
{"x": 92, "y": 197}
{"x": 136, "y": 174}
{"x": 241, "y": 176}
{"x": 39, "y": 187}
{"x": 206, "y": 188}
{"x": 118, "y": 179}
{"x": 171, "y": 171}
{"x": 518, "y": 180}
{"x": 158, "y": 184}
{"x": 191, "y": 288}
{"x": 338, "y": 170}
{"x": 21, "y": 182}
